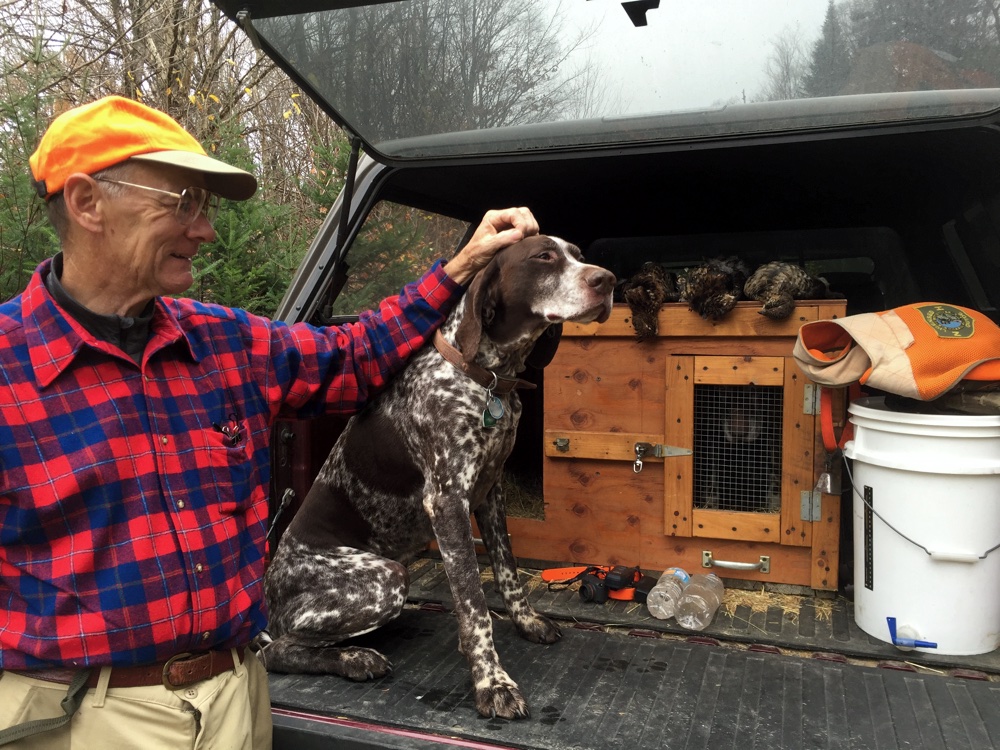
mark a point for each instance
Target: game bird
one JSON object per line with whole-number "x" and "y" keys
{"x": 645, "y": 292}
{"x": 778, "y": 284}
{"x": 713, "y": 288}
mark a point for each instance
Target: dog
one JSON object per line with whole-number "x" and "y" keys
{"x": 413, "y": 465}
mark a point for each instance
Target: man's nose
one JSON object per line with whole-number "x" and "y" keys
{"x": 202, "y": 229}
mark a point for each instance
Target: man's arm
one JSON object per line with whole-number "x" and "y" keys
{"x": 497, "y": 230}
{"x": 345, "y": 365}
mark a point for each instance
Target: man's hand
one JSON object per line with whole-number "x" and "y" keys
{"x": 497, "y": 230}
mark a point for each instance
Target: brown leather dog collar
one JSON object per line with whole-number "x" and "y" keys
{"x": 480, "y": 375}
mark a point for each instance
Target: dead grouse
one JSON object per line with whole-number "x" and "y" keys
{"x": 645, "y": 292}
{"x": 778, "y": 284}
{"x": 713, "y": 288}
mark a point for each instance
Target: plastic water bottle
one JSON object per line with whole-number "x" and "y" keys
{"x": 661, "y": 601}
{"x": 700, "y": 600}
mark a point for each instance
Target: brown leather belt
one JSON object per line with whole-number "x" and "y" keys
{"x": 175, "y": 673}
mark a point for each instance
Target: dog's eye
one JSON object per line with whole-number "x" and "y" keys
{"x": 545, "y": 255}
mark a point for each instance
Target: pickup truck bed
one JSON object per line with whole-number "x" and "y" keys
{"x": 795, "y": 672}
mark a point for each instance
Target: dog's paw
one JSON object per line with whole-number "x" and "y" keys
{"x": 501, "y": 699}
{"x": 539, "y": 629}
{"x": 359, "y": 664}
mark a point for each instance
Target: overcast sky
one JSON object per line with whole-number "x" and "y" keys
{"x": 692, "y": 53}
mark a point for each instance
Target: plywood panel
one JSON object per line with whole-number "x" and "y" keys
{"x": 606, "y": 495}
{"x": 595, "y": 508}
{"x": 605, "y": 385}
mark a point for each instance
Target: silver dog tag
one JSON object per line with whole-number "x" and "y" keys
{"x": 495, "y": 407}
{"x": 492, "y": 412}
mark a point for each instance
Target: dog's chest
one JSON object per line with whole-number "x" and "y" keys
{"x": 437, "y": 404}
{"x": 428, "y": 426}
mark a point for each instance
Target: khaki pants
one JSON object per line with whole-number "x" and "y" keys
{"x": 231, "y": 711}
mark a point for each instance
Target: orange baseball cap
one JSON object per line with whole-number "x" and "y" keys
{"x": 108, "y": 131}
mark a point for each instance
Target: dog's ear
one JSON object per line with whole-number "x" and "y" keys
{"x": 480, "y": 309}
{"x": 545, "y": 348}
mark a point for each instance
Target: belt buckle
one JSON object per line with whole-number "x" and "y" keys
{"x": 166, "y": 670}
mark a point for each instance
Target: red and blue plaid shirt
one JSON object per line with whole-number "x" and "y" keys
{"x": 133, "y": 499}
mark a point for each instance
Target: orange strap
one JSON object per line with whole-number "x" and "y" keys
{"x": 830, "y": 441}
{"x": 568, "y": 575}
{"x": 552, "y": 575}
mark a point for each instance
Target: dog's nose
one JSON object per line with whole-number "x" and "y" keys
{"x": 601, "y": 280}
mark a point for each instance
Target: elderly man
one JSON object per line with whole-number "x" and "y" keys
{"x": 134, "y": 442}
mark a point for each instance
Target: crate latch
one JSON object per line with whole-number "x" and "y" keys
{"x": 645, "y": 450}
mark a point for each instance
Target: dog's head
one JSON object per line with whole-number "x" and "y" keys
{"x": 536, "y": 283}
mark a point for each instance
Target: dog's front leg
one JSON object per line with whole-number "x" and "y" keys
{"x": 492, "y": 519}
{"x": 496, "y": 694}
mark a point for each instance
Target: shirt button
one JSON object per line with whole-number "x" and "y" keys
{"x": 199, "y": 567}
{"x": 164, "y": 440}
{"x": 205, "y": 635}
{"x": 180, "y": 503}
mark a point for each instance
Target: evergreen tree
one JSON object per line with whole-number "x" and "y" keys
{"x": 830, "y": 63}
{"x": 953, "y": 27}
{"x": 26, "y": 237}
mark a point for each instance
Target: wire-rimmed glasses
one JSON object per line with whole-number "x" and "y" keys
{"x": 191, "y": 201}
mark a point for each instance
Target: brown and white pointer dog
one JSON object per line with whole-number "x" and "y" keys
{"x": 412, "y": 466}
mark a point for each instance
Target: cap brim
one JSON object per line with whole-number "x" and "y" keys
{"x": 226, "y": 180}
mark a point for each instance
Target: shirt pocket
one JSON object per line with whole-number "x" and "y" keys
{"x": 229, "y": 471}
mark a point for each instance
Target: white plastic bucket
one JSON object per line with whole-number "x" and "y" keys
{"x": 922, "y": 551}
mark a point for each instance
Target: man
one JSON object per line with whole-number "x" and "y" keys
{"x": 134, "y": 433}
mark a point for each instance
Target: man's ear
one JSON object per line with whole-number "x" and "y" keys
{"x": 84, "y": 202}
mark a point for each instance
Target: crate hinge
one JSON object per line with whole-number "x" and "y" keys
{"x": 810, "y": 401}
{"x": 812, "y": 505}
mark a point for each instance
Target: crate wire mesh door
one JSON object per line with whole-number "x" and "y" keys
{"x": 737, "y": 448}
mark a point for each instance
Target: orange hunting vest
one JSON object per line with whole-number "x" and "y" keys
{"x": 919, "y": 351}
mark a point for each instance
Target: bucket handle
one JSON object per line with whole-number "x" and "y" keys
{"x": 961, "y": 557}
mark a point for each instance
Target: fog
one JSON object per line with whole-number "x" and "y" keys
{"x": 691, "y": 55}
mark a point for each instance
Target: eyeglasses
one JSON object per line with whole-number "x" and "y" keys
{"x": 190, "y": 201}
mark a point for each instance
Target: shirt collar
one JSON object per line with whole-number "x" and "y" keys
{"x": 128, "y": 333}
{"x": 55, "y": 337}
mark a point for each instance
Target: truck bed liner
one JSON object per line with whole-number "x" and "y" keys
{"x": 603, "y": 687}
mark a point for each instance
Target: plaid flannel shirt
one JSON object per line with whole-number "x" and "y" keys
{"x": 133, "y": 500}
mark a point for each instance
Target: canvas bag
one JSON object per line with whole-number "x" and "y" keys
{"x": 919, "y": 351}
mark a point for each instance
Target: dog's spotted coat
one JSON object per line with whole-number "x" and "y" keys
{"x": 411, "y": 468}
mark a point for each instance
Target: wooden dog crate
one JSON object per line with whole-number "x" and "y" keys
{"x": 729, "y": 435}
